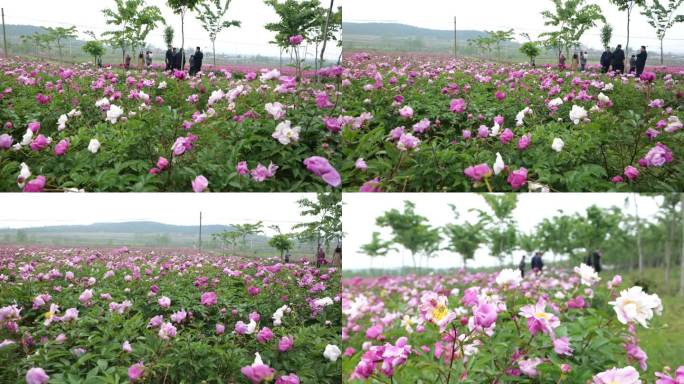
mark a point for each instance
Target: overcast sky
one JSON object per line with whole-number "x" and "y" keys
{"x": 361, "y": 210}
{"x": 523, "y": 16}
{"x": 251, "y": 38}
{"x": 35, "y": 210}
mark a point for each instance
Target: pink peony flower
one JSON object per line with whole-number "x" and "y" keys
{"x": 627, "y": 375}
{"x": 478, "y": 172}
{"x": 200, "y": 184}
{"x": 457, "y": 106}
{"x": 136, "y": 371}
{"x": 296, "y": 40}
{"x": 517, "y": 178}
{"x": 285, "y": 343}
{"x": 320, "y": 167}
{"x": 36, "y": 376}
{"x": 208, "y": 299}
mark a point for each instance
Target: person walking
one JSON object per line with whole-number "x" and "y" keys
{"x": 169, "y": 59}
{"x": 641, "y": 61}
{"x": 632, "y": 64}
{"x": 148, "y": 59}
{"x": 287, "y": 256}
{"x": 337, "y": 256}
{"x": 127, "y": 61}
{"x": 575, "y": 62}
{"x": 178, "y": 60}
{"x": 596, "y": 261}
{"x": 619, "y": 59}
{"x": 191, "y": 65}
{"x": 561, "y": 62}
{"x": 196, "y": 65}
{"x": 606, "y": 59}
{"x": 583, "y": 61}
{"x": 141, "y": 61}
{"x": 320, "y": 257}
{"x": 537, "y": 262}
{"x": 522, "y": 266}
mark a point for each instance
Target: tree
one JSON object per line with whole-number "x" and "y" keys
{"x": 94, "y": 48}
{"x": 531, "y": 50}
{"x": 498, "y": 37}
{"x": 281, "y": 241}
{"x": 572, "y": 18}
{"x": 168, "y": 35}
{"x": 624, "y": 5}
{"x": 134, "y": 20}
{"x": 500, "y": 228}
{"x": 411, "y": 231}
{"x": 211, "y": 18}
{"x": 227, "y": 238}
{"x": 464, "y": 239}
{"x": 333, "y": 23}
{"x": 662, "y": 19}
{"x": 376, "y": 248}
{"x": 247, "y": 229}
{"x": 607, "y": 35}
{"x": 296, "y": 18}
{"x": 60, "y": 34}
{"x": 327, "y": 211}
{"x": 181, "y": 7}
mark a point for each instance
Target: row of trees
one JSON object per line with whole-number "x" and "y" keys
{"x": 571, "y": 19}
{"x": 623, "y": 238}
{"x": 46, "y": 40}
{"x": 324, "y": 228}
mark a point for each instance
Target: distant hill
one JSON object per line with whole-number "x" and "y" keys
{"x": 397, "y": 30}
{"x": 137, "y": 227}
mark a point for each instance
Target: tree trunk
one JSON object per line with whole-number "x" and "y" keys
{"x": 213, "y": 48}
{"x": 183, "y": 38}
{"x": 638, "y": 229}
{"x": 325, "y": 31}
{"x": 681, "y": 260}
{"x": 668, "y": 252}
{"x": 661, "y": 51}
{"x": 629, "y": 19}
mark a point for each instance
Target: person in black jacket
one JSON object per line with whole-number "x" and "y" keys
{"x": 596, "y": 261}
{"x": 641, "y": 61}
{"x": 196, "y": 65}
{"x": 178, "y": 60}
{"x": 537, "y": 263}
{"x": 606, "y": 59}
{"x": 521, "y": 267}
{"x": 170, "y": 54}
{"x": 619, "y": 59}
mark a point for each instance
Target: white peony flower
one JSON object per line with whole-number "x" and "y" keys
{"x": 587, "y": 274}
{"x": 102, "y": 102}
{"x": 162, "y": 85}
{"x": 332, "y": 352}
{"x": 94, "y": 145}
{"x": 114, "y": 113}
{"x": 277, "y": 110}
{"x": 24, "y": 174}
{"x": 28, "y": 136}
{"x": 324, "y": 302}
{"x": 509, "y": 278}
{"x": 578, "y": 114}
{"x": 498, "y": 164}
{"x": 61, "y": 122}
{"x": 555, "y": 102}
{"x": 603, "y": 98}
{"x": 557, "y": 144}
{"x": 285, "y": 133}
{"x": 216, "y": 96}
{"x": 636, "y": 305}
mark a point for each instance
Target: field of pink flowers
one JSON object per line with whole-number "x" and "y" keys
{"x": 555, "y": 327}
{"x": 165, "y": 316}
{"x": 84, "y": 128}
{"x": 433, "y": 123}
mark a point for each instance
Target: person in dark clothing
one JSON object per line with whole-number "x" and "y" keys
{"x": 632, "y": 64}
{"x": 320, "y": 257}
{"x": 191, "y": 65}
{"x": 596, "y": 261}
{"x": 619, "y": 59}
{"x": 287, "y": 256}
{"x": 521, "y": 267}
{"x": 178, "y": 60}
{"x": 561, "y": 62}
{"x": 170, "y": 55}
{"x": 587, "y": 261}
{"x": 196, "y": 65}
{"x": 641, "y": 61}
{"x": 537, "y": 263}
{"x": 606, "y": 59}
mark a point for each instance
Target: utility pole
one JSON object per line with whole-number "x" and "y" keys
{"x": 200, "y": 233}
{"x": 4, "y": 34}
{"x": 455, "y": 39}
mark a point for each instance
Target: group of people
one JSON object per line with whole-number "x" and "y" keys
{"x": 615, "y": 61}
{"x": 144, "y": 61}
{"x": 610, "y": 60}
{"x": 593, "y": 260}
{"x": 320, "y": 257}
{"x": 536, "y": 263}
{"x": 175, "y": 60}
